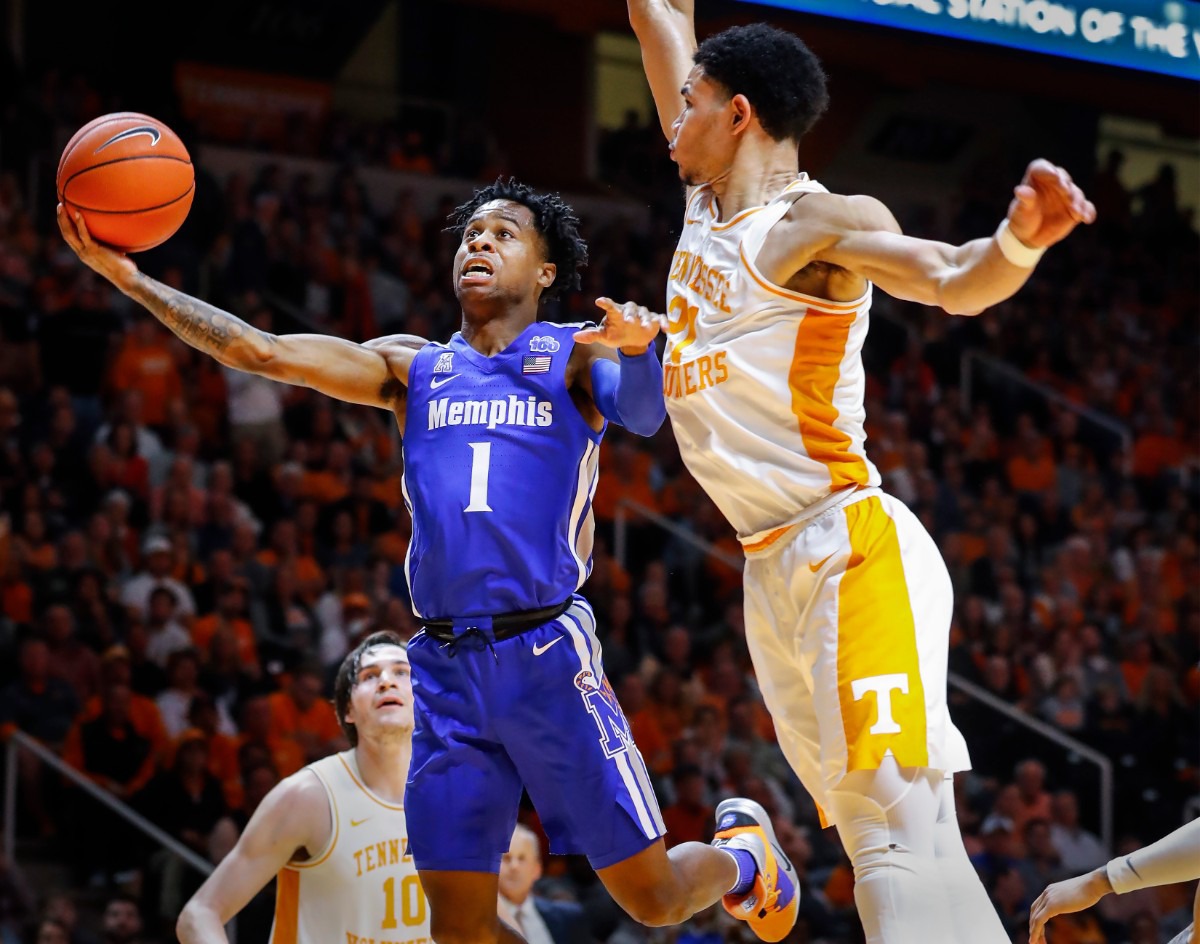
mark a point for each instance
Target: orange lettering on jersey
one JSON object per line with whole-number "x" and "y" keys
{"x": 694, "y": 376}
{"x": 381, "y": 854}
{"x": 722, "y": 370}
{"x": 681, "y": 317}
{"x": 707, "y": 281}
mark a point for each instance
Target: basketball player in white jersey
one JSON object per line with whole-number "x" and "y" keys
{"x": 847, "y": 600}
{"x": 333, "y": 834}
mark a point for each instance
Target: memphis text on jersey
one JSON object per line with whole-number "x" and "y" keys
{"x": 511, "y": 411}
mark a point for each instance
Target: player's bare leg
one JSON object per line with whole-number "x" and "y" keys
{"x": 462, "y": 908}
{"x": 660, "y": 888}
{"x": 744, "y": 868}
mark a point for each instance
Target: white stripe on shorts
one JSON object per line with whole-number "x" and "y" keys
{"x": 634, "y": 791}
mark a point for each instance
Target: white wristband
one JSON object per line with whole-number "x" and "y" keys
{"x": 1015, "y": 251}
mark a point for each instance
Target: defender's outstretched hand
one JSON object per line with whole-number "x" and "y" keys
{"x": 628, "y": 326}
{"x": 1066, "y": 897}
{"x": 113, "y": 265}
{"x": 1047, "y": 205}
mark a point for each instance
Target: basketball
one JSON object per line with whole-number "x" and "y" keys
{"x": 131, "y": 178}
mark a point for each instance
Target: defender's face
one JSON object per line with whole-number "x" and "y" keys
{"x": 382, "y": 698}
{"x": 501, "y": 255}
{"x": 702, "y": 143}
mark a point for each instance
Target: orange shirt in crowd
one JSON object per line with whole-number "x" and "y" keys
{"x": 1038, "y": 475}
{"x": 205, "y": 627}
{"x": 72, "y": 754}
{"x": 307, "y": 570}
{"x": 318, "y": 720}
{"x": 648, "y": 735}
{"x": 151, "y": 370}
{"x": 324, "y": 487}
{"x": 286, "y": 755}
{"x": 634, "y": 486}
{"x": 143, "y": 715}
{"x": 1154, "y": 452}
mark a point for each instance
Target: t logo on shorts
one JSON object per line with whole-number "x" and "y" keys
{"x": 882, "y": 686}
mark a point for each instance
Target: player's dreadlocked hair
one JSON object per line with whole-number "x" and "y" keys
{"x": 556, "y": 223}
{"x": 779, "y": 75}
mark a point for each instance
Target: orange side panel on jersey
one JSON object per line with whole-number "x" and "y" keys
{"x": 287, "y": 908}
{"x": 877, "y": 638}
{"x": 813, "y": 378}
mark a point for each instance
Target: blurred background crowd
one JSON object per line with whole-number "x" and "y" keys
{"x": 187, "y": 552}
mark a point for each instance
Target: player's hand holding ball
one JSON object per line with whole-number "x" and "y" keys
{"x": 629, "y": 327}
{"x": 117, "y": 267}
{"x": 125, "y": 184}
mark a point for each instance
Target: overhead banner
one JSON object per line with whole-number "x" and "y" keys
{"x": 1151, "y": 35}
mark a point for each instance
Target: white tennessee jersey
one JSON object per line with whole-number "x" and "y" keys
{"x": 363, "y": 887}
{"x": 764, "y": 386}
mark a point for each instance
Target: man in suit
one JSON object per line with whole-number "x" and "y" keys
{"x": 540, "y": 920}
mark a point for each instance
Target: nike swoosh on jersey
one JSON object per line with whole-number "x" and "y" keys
{"x": 150, "y": 130}
{"x": 359, "y": 822}
{"x": 819, "y": 564}
{"x": 538, "y": 650}
{"x": 440, "y": 381}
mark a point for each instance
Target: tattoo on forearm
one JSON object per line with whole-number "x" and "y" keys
{"x": 199, "y": 324}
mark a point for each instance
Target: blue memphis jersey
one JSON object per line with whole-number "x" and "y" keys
{"x": 499, "y": 473}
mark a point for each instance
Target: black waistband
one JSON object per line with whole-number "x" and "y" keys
{"x": 504, "y": 626}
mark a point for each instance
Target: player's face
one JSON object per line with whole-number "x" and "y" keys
{"x": 501, "y": 256}
{"x": 702, "y": 143}
{"x": 381, "y": 701}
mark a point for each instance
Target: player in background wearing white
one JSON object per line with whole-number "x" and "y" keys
{"x": 333, "y": 833}
{"x": 1174, "y": 858}
{"x": 848, "y": 602}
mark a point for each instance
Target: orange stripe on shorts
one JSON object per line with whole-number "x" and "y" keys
{"x": 879, "y": 678}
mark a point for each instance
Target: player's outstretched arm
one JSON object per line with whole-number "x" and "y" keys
{"x": 860, "y": 235}
{"x": 628, "y": 388}
{"x": 337, "y": 367}
{"x": 294, "y": 815}
{"x": 1174, "y": 858}
{"x": 666, "y": 31}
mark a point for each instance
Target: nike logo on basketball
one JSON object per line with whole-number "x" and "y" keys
{"x": 359, "y": 822}
{"x": 538, "y": 650}
{"x": 440, "y": 381}
{"x": 150, "y": 130}
{"x": 819, "y": 564}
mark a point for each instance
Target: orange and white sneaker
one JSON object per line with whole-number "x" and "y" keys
{"x": 772, "y": 905}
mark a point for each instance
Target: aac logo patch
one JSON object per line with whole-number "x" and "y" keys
{"x": 445, "y": 363}
{"x": 543, "y": 345}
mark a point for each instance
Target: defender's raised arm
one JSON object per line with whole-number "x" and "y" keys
{"x": 666, "y": 30}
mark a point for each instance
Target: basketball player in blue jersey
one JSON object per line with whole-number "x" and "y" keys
{"x": 502, "y": 427}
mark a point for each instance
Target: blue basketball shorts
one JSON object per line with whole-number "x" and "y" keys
{"x": 532, "y": 711}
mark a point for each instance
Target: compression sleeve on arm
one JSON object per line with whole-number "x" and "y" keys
{"x": 1174, "y": 858}
{"x": 630, "y": 391}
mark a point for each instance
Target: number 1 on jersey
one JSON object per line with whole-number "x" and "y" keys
{"x": 481, "y": 460}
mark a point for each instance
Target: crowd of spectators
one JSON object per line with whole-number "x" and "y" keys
{"x": 186, "y": 552}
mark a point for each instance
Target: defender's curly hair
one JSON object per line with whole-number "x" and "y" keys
{"x": 779, "y": 75}
{"x": 556, "y": 223}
